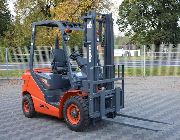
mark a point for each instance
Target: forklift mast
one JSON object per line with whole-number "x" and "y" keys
{"x": 110, "y": 99}
{"x": 106, "y": 38}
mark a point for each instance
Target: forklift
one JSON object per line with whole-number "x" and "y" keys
{"x": 79, "y": 97}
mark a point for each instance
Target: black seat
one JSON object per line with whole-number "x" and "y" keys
{"x": 59, "y": 64}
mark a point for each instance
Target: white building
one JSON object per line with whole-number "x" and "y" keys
{"x": 127, "y": 52}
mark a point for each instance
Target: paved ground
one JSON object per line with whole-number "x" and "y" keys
{"x": 156, "y": 98}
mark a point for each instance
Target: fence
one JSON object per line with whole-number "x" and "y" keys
{"x": 166, "y": 62}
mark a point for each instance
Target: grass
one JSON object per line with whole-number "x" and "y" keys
{"x": 11, "y": 73}
{"x": 155, "y": 71}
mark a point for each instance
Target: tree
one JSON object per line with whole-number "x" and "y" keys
{"x": 28, "y": 11}
{"x": 74, "y": 10}
{"x": 121, "y": 40}
{"x": 5, "y": 17}
{"x": 150, "y": 22}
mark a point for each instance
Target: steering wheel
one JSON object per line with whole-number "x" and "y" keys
{"x": 74, "y": 55}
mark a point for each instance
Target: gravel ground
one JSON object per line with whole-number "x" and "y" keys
{"x": 155, "y": 98}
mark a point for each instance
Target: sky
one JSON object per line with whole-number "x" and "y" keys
{"x": 114, "y": 11}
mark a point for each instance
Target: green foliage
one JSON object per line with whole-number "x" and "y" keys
{"x": 28, "y": 11}
{"x": 76, "y": 39}
{"x": 5, "y": 17}
{"x": 150, "y": 22}
{"x": 120, "y": 41}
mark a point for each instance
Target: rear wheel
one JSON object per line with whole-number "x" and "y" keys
{"x": 28, "y": 106}
{"x": 75, "y": 113}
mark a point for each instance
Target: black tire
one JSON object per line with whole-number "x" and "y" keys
{"x": 111, "y": 115}
{"x": 31, "y": 111}
{"x": 82, "y": 105}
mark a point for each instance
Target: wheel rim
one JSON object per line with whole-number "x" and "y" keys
{"x": 73, "y": 114}
{"x": 26, "y": 106}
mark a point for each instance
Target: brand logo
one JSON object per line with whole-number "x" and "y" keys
{"x": 89, "y": 25}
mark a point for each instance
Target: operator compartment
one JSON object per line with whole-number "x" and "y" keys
{"x": 50, "y": 61}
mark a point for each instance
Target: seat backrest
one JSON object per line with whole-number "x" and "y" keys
{"x": 59, "y": 58}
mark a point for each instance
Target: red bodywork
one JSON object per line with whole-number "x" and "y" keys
{"x": 40, "y": 104}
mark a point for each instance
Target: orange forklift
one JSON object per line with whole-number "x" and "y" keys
{"x": 79, "y": 96}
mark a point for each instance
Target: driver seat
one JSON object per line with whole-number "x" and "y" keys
{"x": 59, "y": 63}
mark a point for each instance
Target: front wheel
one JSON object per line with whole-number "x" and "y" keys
{"x": 28, "y": 106}
{"x": 76, "y": 114}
